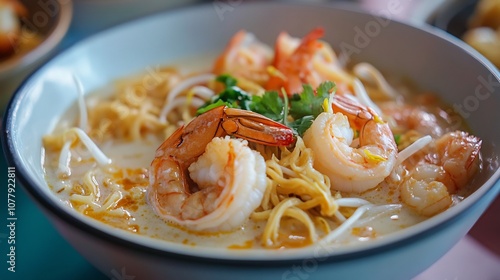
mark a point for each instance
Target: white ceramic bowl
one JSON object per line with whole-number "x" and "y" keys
{"x": 431, "y": 58}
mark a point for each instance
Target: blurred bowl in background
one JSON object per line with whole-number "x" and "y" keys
{"x": 474, "y": 21}
{"x": 41, "y": 30}
{"x": 454, "y": 16}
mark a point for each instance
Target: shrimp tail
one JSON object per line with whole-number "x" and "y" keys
{"x": 291, "y": 60}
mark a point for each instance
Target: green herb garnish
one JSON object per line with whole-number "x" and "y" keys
{"x": 269, "y": 105}
{"x": 301, "y": 125}
{"x": 232, "y": 96}
{"x": 308, "y": 103}
{"x": 303, "y": 108}
{"x": 397, "y": 138}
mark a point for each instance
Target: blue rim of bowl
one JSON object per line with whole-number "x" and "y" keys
{"x": 42, "y": 200}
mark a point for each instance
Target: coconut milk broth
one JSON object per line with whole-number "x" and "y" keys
{"x": 134, "y": 158}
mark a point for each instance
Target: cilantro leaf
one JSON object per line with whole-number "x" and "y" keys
{"x": 269, "y": 105}
{"x": 208, "y": 107}
{"x": 300, "y": 103}
{"x": 307, "y": 103}
{"x": 301, "y": 125}
{"x": 227, "y": 80}
{"x": 326, "y": 88}
{"x": 232, "y": 96}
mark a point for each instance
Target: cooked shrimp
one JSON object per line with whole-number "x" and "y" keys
{"x": 456, "y": 153}
{"x": 422, "y": 191}
{"x": 245, "y": 57}
{"x": 443, "y": 168}
{"x": 227, "y": 179}
{"x": 306, "y": 61}
{"x": 351, "y": 169}
{"x": 410, "y": 117}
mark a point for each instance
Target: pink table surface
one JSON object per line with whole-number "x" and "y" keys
{"x": 476, "y": 256}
